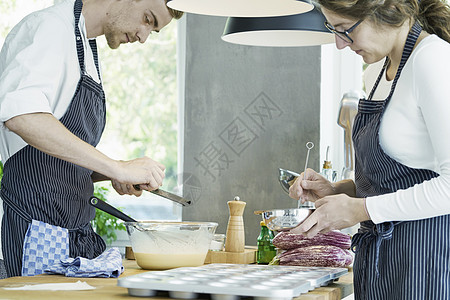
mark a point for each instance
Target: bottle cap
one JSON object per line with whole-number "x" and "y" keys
{"x": 262, "y": 223}
{"x": 326, "y": 164}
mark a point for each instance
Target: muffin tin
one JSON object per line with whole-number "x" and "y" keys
{"x": 231, "y": 281}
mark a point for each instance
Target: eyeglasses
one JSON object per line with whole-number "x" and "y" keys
{"x": 343, "y": 34}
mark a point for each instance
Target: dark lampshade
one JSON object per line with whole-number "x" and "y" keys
{"x": 242, "y": 8}
{"x": 306, "y": 29}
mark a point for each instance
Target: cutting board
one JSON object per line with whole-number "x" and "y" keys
{"x": 246, "y": 257}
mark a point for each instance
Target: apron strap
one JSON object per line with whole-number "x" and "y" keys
{"x": 80, "y": 50}
{"x": 407, "y": 50}
{"x": 79, "y": 40}
{"x": 21, "y": 213}
{"x": 386, "y": 62}
{"x": 370, "y": 231}
{"x": 83, "y": 228}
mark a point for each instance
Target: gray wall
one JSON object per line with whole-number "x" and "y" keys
{"x": 248, "y": 112}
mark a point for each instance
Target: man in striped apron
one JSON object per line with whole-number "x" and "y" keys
{"x": 45, "y": 193}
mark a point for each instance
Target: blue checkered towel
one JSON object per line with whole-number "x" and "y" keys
{"x": 107, "y": 264}
{"x": 44, "y": 245}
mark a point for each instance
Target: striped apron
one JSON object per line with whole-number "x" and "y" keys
{"x": 395, "y": 260}
{"x": 36, "y": 186}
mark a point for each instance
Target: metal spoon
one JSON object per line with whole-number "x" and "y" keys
{"x": 107, "y": 208}
{"x": 102, "y": 205}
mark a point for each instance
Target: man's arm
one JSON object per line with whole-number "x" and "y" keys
{"x": 47, "y": 134}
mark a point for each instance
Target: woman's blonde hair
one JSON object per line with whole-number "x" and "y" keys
{"x": 433, "y": 15}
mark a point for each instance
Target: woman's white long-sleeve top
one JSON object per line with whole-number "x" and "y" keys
{"x": 415, "y": 131}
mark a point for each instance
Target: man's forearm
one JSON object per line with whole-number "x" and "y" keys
{"x": 47, "y": 134}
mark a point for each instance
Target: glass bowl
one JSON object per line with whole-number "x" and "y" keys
{"x": 167, "y": 245}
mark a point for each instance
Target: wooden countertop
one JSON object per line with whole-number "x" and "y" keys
{"x": 106, "y": 288}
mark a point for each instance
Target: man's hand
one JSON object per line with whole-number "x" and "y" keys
{"x": 144, "y": 171}
{"x": 125, "y": 189}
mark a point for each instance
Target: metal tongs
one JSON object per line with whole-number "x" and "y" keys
{"x": 167, "y": 195}
{"x": 173, "y": 197}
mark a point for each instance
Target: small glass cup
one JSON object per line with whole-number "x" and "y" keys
{"x": 218, "y": 242}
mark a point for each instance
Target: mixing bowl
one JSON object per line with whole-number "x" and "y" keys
{"x": 167, "y": 245}
{"x": 285, "y": 219}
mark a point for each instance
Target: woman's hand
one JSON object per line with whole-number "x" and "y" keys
{"x": 333, "y": 212}
{"x": 311, "y": 187}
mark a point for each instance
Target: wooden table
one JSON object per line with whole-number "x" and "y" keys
{"x": 106, "y": 288}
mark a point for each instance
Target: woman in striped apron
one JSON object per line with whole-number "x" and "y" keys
{"x": 45, "y": 190}
{"x": 403, "y": 245}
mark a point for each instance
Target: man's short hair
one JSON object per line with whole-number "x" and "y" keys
{"x": 174, "y": 13}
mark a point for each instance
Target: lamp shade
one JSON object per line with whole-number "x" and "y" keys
{"x": 305, "y": 29}
{"x": 242, "y": 8}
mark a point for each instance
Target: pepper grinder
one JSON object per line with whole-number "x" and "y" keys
{"x": 235, "y": 240}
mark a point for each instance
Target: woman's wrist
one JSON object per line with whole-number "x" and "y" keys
{"x": 367, "y": 215}
{"x": 345, "y": 186}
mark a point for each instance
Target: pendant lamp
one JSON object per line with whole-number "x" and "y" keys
{"x": 242, "y": 8}
{"x": 305, "y": 29}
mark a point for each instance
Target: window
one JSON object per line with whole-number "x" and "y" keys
{"x": 140, "y": 82}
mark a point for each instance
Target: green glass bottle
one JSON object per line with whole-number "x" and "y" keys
{"x": 266, "y": 250}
